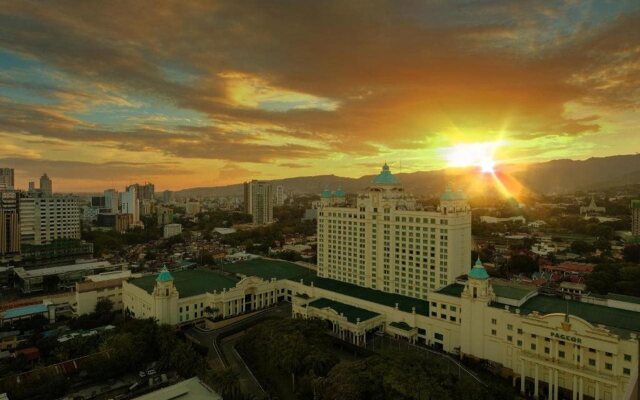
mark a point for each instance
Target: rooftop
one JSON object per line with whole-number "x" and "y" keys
{"x": 352, "y": 313}
{"x": 385, "y": 177}
{"x": 455, "y": 290}
{"x": 267, "y": 269}
{"x": 190, "y": 389}
{"x": 32, "y": 273}
{"x": 190, "y": 282}
{"x": 615, "y": 318}
{"x": 24, "y": 311}
{"x": 401, "y": 325}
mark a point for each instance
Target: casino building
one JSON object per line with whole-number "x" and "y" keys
{"x": 548, "y": 346}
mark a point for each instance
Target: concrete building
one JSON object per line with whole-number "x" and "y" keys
{"x": 112, "y": 200}
{"x": 46, "y": 185}
{"x": 280, "y": 196}
{"x": 7, "y": 179}
{"x": 9, "y": 223}
{"x": 487, "y": 219}
{"x": 58, "y": 278}
{"x": 385, "y": 242}
{"x": 191, "y": 208}
{"x": 190, "y": 389}
{"x": 165, "y": 215}
{"x": 635, "y": 217}
{"x": 172, "y": 230}
{"x": 58, "y": 252}
{"x": 56, "y": 217}
{"x": 118, "y": 222}
{"x": 548, "y": 346}
{"x": 130, "y": 204}
{"x": 258, "y": 201}
{"x": 167, "y": 196}
{"x": 143, "y": 192}
{"x": 107, "y": 285}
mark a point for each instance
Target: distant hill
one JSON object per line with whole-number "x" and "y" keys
{"x": 557, "y": 176}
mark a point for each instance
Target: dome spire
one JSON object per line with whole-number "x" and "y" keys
{"x": 478, "y": 271}
{"x": 164, "y": 275}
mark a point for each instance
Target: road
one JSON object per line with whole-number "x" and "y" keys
{"x": 221, "y": 342}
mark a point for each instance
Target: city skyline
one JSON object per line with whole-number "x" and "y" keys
{"x": 214, "y": 94}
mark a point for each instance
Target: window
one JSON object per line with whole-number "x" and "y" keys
{"x": 494, "y": 321}
{"x": 519, "y": 343}
{"x": 547, "y": 350}
{"x": 509, "y": 327}
{"x": 626, "y": 371}
{"x": 627, "y": 357}
{"x": 608, "y": 354}
{"x": 533, "y": 346}
{"x": 519, "y": 331}
{"x": 561, "y": 354}
{"x": 493, "y": 332}
{"x": 510, "y": 338}
{"x": 438, "y": 336}
{"x": 608, "y": 366}
{"x": 592, "y": 362}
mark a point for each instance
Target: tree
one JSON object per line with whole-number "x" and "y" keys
{"x": 104, "y": 306}
{"x": 522, "y": 263}
{"x": 631, "y": 253}
{"x": 581, "y": 247}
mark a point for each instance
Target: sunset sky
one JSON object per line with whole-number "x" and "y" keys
{"x": 188, "y": 93}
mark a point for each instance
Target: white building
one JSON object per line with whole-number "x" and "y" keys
{"x": 172, "y": 230}
{"x": 280, "y": 196}
{"x": 7, "y": 180}
{"x": 27, "y": 213}
{"x": 111, "y": 201}
{"x": 130, "y": 204}
{"x": 258, "y": 201}
{"x": 56, "y": 217}
{"x": 386, "y": 242}
{"x": 191, "y": 208}
{"x": 487, "y": 219}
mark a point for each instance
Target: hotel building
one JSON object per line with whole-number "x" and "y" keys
{"x": 387, "y": 242}
{"x": 548, "y": 346}
{"x": 258, "y": 201}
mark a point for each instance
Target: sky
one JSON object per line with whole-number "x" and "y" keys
{"x": 101, "y": 94}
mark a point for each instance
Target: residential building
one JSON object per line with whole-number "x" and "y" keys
{"x": 487, "y": 219}
{"x": 118, "y": 222}
{"x": 192, "y": 207}
{"x": 58, "y": 252}
{"x": 46, "y": 185}
{"x": 167, "y": 196}
{"x": 172, "y": 230}
{"x": 56, "y": 217}
{"x": 7, "y": 179}
{"x": 280, "y": 196}
{"x": 165, "y": 215}
{"x": 130, "y": 204}
{"x": 635, "y": 217}
{"x": 9, "y": 223}
{"x": 386, "y": 242}
{"x": 143, "y": 192}
{"x": 258, "y": 201}
{"x": 112, "y": 200}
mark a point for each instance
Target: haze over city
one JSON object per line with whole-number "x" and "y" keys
{"x": 201, "y": 93}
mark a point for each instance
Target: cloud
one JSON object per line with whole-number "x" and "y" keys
{"x": 296, "y": 83}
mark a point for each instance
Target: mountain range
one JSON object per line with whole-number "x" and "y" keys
{"x": 551, "y": 177}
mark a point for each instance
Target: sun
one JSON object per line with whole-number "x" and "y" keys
{"x": 480, "y": 155}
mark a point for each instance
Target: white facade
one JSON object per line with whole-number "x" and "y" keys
{"x": 258, "y": 201}
{"x": 129, "y": 204}
{"x": 46, "y": 185}
{"x": 56, "y": 218}
{"x": 192, "y": 208}
{"x": 172, "y": 230}
{"x": 280, "y": 196}
{"x": 27, "y": 212}
{"x": 385, "y": 242}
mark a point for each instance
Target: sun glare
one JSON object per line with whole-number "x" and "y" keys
{"x": 480, "y": 155}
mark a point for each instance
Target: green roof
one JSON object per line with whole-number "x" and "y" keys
{"x": 455, "y": 290}
{"x": 510, "y": 290}
{"x": 623, "y": 297}
{"x": 385, "y": 177}
{"x": 401, "y": 325}
{"x": 611, "y": 317}
{"x": 352, "y": 313}
{"x": 278, "y": 269}
{"x": 190, "y": 283}
{"x": 325, "y": 194}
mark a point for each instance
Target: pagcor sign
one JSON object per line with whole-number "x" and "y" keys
{"x": 568, "y": 338}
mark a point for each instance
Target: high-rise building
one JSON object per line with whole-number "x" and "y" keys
{"x": 111, "y": 200}
{"x": 280, "y": 197}
{"x": 167, "y": 196}
{"x": 386, "y": 242}
{"x": 27, "y": 213}
{"x": 7, "y": 180}
{"x": 32, "y": 186}
{"x": 165, "y": 215}
{"x": 258, "y": 201}
{"x": 130, "y": 204}
{"x": 46, "y": 186}
{"x": 143, "y": 192}
{"x": 56, "y": 217}
{"x": 192, "y": 207}
{"x": 635, "y": 217}
{"x": 9, "y": 223}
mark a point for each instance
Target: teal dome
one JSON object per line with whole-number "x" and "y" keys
{"x": 386, "y": 177}
{"x": 478, "y": 271}
{"x": 325, "y": 194}
{"x": 340, "y": 193}
{"x": 164, "y": 276}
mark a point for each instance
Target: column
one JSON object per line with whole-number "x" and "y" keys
{"x": 581, "y": 390}
{"x": 555, "y": 384}
{"x": 597, "y": 396}
{"x": 536, "y": 384}
{"x": 574, "y": 390}
{"x": 550, "y": 380}
{"x": 524, "y": 363}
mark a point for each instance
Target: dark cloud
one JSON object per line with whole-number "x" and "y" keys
{"x": 400, "y": 72}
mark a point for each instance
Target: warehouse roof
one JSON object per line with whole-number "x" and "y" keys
{"x": 25, "y": 311}
{"x": 352, "y": 313}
